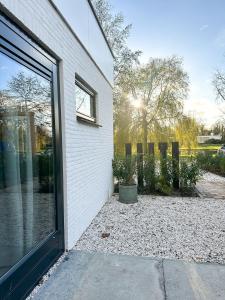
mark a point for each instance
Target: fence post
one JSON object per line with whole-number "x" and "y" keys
{"x": 151, "y": 149}
{"x": 140, "y": 165}
{"x": 163, "y": 149}
{"x": 128, "y": 150}
{"x": 175, "y": 162}
{"x": 163, "y": 161}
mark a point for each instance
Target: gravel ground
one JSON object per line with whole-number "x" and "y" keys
{"x": 168, "y": 227}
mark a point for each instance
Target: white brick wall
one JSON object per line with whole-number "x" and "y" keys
{"x": 81, "y": 18}
{"x": 88, "y": 151}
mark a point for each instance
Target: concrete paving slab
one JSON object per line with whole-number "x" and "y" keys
{"x": 98, "y": 276}
{"x": 95, "y": 276}
{"x": 192, "y": 281}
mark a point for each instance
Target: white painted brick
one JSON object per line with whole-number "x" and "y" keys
{"x": 88, "y": 151}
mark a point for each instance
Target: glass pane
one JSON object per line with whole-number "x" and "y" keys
{"x": 27, "y": 206}
{"x": 83, "y": 102}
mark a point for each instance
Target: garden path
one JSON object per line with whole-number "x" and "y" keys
{"x": 211, "y": 186}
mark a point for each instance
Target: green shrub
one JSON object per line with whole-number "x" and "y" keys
{"x": 164, "y": 179}
{"x": 212, "y": 141}
{"x": 212, "y": 163}
{"x": 166, "y": 170}
{"x": 149, "y": 172}
{"x": 163, "y": 186}
{"x": 157, "y": 175}
{"x": 189, "y": 174}
{"x": 124, "y": 169}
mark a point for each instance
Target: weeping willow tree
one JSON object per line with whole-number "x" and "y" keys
{"x": 186, "y": 132}
{"x": 151, "y": 107}
{"x": 159, "y": 87}
{"x": 123, "y": 123}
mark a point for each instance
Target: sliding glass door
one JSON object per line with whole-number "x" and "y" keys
{"x": 29, "y": 195}
{"x": 27, "y": 206}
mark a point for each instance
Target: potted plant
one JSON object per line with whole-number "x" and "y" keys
{"x": 124, "y": 169}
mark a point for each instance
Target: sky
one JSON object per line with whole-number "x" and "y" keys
{"x": 191, "y": 29}
{"x": 9, "y": 68}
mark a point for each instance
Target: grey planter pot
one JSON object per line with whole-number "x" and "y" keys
{"x": 128, "y": 193}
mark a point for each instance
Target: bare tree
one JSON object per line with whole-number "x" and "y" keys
{"x": 31, "y": 94}
{"x": 219, "y": 85}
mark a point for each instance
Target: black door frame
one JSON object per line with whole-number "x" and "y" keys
{"x": 18, "y": 282}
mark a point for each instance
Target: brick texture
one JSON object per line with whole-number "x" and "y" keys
{"x": 87, "y": 150}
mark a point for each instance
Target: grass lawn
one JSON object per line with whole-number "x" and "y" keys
{"x": 205, "y": 147}
{"x": 210, "y": 148}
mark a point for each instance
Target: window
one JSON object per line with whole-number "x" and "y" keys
{"x": 31, "y": 214}
{"x": 26, "y": 175}
{"x": 85, "y": 101}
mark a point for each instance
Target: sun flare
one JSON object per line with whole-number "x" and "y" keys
{"x": 137, "y": 103}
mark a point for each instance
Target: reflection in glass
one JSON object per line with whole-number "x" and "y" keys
{"x": 27, "y": 209}
{"x": 84, "y": 102}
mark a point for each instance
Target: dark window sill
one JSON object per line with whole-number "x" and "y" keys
{"x": 87, "y": 122}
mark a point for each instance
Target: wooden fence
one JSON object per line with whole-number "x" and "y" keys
{"x": 163, "y": 150}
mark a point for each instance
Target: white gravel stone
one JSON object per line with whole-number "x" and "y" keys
{"x": 168, "y": 227}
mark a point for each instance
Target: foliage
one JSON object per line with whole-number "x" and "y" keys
{"x": 117, "y": 34}
{"x": 158, "y": 175}
{"x": 151, "y": 103}
{"x": 166, "y": 169}
{"x": 163, "y": 187}
{"x": 149, "y": 172}
{"x": 125, "y": 60}
{"x": 212, "y": 141}
{"x": 159, "y": 87}
{"x": 124, "y": 169}
{"x": 122, "y": 130}
{"x": 219, "y": 127}
{"x": 164, "y": 178}
{"x": 186, "y": 131}
{"x": 189, "y": 174}
{"x": 212, "y": 163}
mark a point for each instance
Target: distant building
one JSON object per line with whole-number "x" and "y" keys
{"x": 204, "y": 138}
